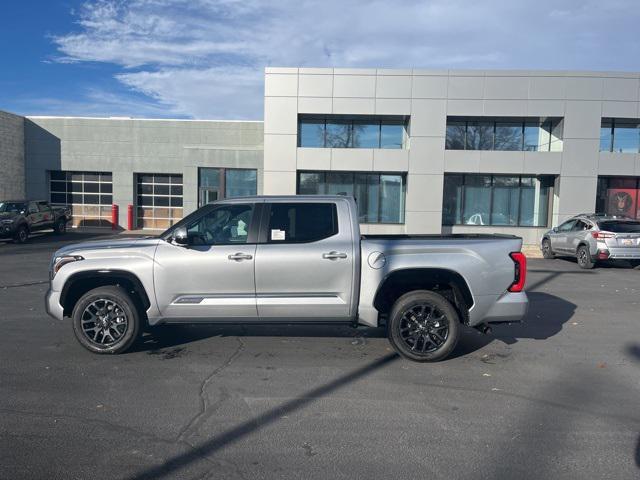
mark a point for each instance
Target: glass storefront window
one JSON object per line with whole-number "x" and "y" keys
{"x": 626, "y": 137}
{"x": 477, "y": 133}
{"x": 240, "y": 183}
{"x": 366, "y": 135}
{"x": 618, "y": 196}
{"x": 312, "y": 133}
{"x": 508, "y": 136}
{"x": 537, "y": 136}
{"x": 218, "y": 183}
{"x": 391, "y": 136}
{"x": 456, "y": 132}
{"x": 351, "y": 131}
{"x": 479, "y": 136}
{"x": 380, "y": 197}
{"x": 620, "y": 135}
{"x": 338, "y": 134}
{"x": 496, "y": 200}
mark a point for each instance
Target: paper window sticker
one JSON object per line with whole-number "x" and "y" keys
{"x": 277, "y": 234}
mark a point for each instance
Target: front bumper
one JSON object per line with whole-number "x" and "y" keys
{"x": 510, "y": 307}
{"x": 52, "y": 304}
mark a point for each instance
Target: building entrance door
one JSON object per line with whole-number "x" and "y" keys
{"x": 208, "y": 195}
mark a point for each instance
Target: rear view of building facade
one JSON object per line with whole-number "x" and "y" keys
{"x": 421, "y": 151}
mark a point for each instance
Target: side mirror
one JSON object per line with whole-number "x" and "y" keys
{"x": 554, "y": 229}
{"x": 180, "y": 236}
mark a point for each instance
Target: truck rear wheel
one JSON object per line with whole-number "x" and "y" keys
{"x": 423, "y": 326}
{"x": 106, "y": 320}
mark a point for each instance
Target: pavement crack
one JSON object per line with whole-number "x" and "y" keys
{"x": 205, "y": 407}
{"x": 26, "y": 284}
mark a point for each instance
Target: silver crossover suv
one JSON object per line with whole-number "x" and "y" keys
{"x": 593, "y": 237}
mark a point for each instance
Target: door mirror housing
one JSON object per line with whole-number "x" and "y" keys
{"x": 180, "y": 236}
{"x": 554, "y": 229}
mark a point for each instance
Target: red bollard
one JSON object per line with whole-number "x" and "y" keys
{"x": 114, "y": 216}
{"x": 130, "y": 217}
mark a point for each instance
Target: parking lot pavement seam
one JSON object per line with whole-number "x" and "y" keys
{"x": 192, "y": 426}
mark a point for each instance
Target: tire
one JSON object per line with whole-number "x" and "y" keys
{"x": 584, "y": 258}
{"x": 547, "y": 252}
{"x": 415, "y": 312}
{"x": 60, "y": 226}
{"x": 22, "y": 234}
{"x": 120, "y": 307}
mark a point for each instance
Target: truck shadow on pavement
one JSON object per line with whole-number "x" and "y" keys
{"x": 546, "y": 316}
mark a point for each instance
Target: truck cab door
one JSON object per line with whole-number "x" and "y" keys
{"x": 305, "y": 261}
{"x": 33, "y": 216}
{"x": 212, "y": 276}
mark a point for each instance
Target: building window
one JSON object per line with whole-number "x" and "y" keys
{"x": 380, "y": 196}
{"x": 620, "y": 135}
{"x": 218, "y": 183}
{"x": 515, "y": 201}
{"x": 159, "y": 200}
{"x": 618, "y": 196}
{"x": 89, "y": 194}
{"x": 506, "y": 134}
{"x": 351, "y": 131}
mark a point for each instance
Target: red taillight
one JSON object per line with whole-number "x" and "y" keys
{"x": 599, "y": 235}
{"x": 520, "y": 275}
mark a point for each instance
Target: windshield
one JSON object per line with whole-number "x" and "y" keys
{"x": 14, "y": 207}
{"x": 620, "y": 227}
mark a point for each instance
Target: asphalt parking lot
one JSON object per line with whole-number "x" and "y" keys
{"x": 555, "y": 397}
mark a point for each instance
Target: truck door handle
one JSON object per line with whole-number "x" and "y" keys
{"x": 334, "y": 255}
{"x": 240, "y": 256}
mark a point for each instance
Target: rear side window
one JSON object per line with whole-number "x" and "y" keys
{"x": 620, "y": 227}
{"x": 301, "y": 222}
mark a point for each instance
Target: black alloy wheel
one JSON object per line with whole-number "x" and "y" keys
{"x": 423, "y": 326}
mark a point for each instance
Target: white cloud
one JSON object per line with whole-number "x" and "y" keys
{"x": 205, "y": 58}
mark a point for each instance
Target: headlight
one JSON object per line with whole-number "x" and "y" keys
{"x": 61, "y": 261}
{"x": 7, "y": 222}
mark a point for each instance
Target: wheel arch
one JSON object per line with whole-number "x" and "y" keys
{"x": 449, "y": 283}
{"x": 80, "y": 283}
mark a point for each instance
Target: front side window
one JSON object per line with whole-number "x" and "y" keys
{"x": 225, "y": 225}
{"x": 301, "y": 222}
{"x": 496, "y": 200}
{"x": 13, "y": 207}
{"x": 567, "y": 226}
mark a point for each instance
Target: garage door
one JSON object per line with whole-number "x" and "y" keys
{"x": 159, "y": 202}
{"x": 89, "y": 194}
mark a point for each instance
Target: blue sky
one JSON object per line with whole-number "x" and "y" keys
{"x": 205, "y": 58}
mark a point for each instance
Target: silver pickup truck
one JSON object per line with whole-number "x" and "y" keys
{"x": 289, "y": 259}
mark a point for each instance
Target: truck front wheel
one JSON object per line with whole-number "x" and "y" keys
{"x": 106, "y": 320}
{"x": 423, "y": 326}
{"x": 60, "y": 226}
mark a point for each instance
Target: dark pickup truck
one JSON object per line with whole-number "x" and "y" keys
{"x": 18, "y": 218}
